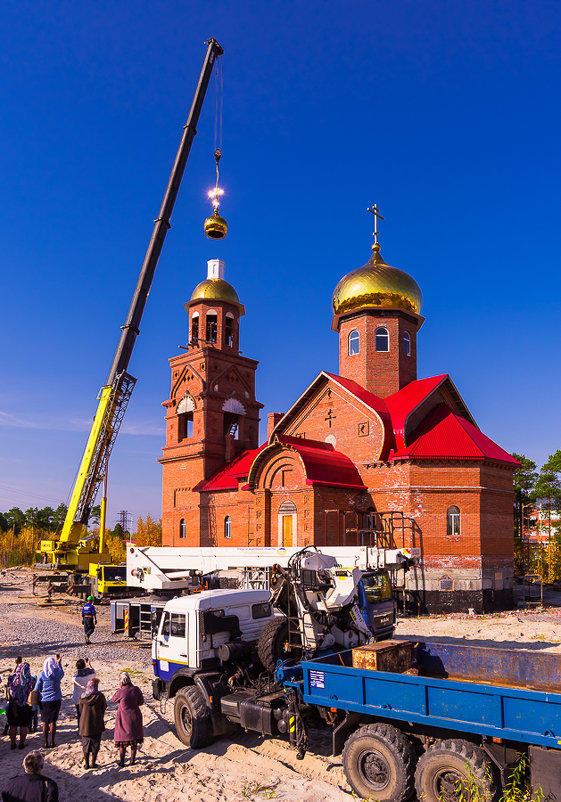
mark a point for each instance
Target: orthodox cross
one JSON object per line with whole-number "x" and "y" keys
{"x": 330, "y": 417}
{"x": 376, "y": 212}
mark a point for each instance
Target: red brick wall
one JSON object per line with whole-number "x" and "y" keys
{"x": 334, "y": 416}
{"x": 381, "y": 372}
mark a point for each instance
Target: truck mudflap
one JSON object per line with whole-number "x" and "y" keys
{"x": 545, "y": 771}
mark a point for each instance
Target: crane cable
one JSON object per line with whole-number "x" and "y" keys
{"x": 218, "y": 113}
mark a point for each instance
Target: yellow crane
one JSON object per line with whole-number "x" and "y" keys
{"x": 76, "y": 551}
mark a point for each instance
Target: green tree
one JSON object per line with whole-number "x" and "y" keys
{"x": 547, "y": 494}
{"x": 16, "y": 519}
{"x": 59, "y": 515}
{"x": 524, "y": 480}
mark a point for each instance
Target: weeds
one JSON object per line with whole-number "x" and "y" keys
{"x": 266, "y": 791}
{"x": 470, "y": 789}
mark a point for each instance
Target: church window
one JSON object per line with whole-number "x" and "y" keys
{"x": 453, "y": 521}
{"x": 229, "y": 330}
{"x": 227, "y": 527}
{"x": 354, "y": 342}
{"x": 382, "y": 339}
{"x": 185, "y": 418}
{"x": 182, "y": 530}
{"x": 407, "y": 344}
{"x": 195, "y": 329}
{"x": 231, "y": 425}
{"x": 233, "y": 410}
{"x": 211, "y": 327}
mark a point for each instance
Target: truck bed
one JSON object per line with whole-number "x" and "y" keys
{"x": 502, "y": 693}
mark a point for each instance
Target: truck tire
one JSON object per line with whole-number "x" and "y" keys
{"x": 272, "y": 644}
{"x": 379, "y": 763}
{"x": 455, "y": 770}
{"x": 193, "y": 724}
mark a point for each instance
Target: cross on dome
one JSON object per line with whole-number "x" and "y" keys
{"x": 376, "y": 212}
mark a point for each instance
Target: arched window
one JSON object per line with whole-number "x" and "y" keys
{"x": 195, "y": 329}
{"x": 354, "y": 342}
{"x": 229, "y": 330}
{"x": 382, "y": 339}
{"x": 453, "y": 521}
{"x": 233, "y": 410}
{"x": 407, "y": 343}
{"x": 211, "y": 326}
{"x": 185, "y": 418}
{"x": 182, "y": 531}
{"x": 227, "y": 527}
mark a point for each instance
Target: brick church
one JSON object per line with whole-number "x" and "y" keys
{"x": 372, "y": 455}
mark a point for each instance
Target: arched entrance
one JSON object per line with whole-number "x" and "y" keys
{"x": 287, "y": 524}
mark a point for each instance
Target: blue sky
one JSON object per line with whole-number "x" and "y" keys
{"x": 445, "y": 113}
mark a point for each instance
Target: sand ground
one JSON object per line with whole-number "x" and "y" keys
{"x": 242, "y": 767}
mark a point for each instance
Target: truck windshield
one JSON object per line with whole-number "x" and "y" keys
{"x": 377, "y": 587}
{"x": 114, "y": 574}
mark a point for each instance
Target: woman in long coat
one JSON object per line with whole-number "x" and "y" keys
{"x": 92, "y": 725}
{"x": 128, "y": 723}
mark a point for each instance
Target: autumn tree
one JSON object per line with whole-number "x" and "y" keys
{"x": 149, "y": 532}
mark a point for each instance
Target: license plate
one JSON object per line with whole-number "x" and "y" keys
{"x": 384, "y": 620}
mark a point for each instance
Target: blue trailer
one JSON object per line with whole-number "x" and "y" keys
{"x": 462, "y": 717}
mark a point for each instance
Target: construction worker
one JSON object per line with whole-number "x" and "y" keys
{"x": 89, "y": 618}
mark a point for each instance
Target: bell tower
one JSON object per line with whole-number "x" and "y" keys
{"x": 212, "y": 414}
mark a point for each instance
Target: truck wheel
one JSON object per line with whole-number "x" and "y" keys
{"x": 272, "y": 644}
{"x": 455, "y": 770}
{"x": 193, "y": 724}
{"x": 379, "y": 761}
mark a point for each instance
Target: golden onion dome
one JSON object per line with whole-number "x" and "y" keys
{"x": 215, "y": 289}
{"x": 215, "y": 226}
{"x": 377, "y": 284}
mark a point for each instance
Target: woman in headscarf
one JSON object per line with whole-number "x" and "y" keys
{"x": 20, "y": 685}
{"x": 128, "y": 722}
{"x": 50, "y": 695}
{"x": 92, "y": 707}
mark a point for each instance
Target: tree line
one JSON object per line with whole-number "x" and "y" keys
{"x": 541, "y": 489}
{"x": 21, "y": 533}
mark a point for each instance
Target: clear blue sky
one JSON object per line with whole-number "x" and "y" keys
{"x": 445, "y": 113}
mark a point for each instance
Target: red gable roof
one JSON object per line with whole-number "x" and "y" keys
{"x": 227, "y": 478}
{"x": 322, "y": 464}
{"x": 446, "y": 435}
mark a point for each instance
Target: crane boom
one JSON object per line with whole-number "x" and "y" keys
{"x": 115, "y": 394}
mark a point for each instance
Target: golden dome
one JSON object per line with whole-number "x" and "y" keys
{"x": 215, "y": 226}
{"x": 377, "y": 284}
{"x": 215, "y": 289}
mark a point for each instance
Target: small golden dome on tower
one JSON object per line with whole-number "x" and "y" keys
{"x": 377, "y": 284}
{"x": 215, "y": 289}
{"x": 215, "y": 226}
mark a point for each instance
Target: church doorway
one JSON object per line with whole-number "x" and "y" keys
{"x": 287, "y": 524}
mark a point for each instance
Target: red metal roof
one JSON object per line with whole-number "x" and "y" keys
{"x": 445, "y": 435}
{"x": 402, "y": 403}
{"x": 322, "y": 464}
{"x": 227, "y": 478}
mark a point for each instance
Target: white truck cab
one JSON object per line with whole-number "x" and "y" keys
{"x": 193, "y": 629}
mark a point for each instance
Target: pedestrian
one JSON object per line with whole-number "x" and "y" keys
{"x": 31, "y": 786}
{"x": 83, "y": 673}
{"x": 89, "y": 618}
{"x": 19, "y": 713}
{"x": 17, "y": 661}
{"x": 91, "y": 724}
{"x": 128, "y": 722}
{"x": 50, "y": 695}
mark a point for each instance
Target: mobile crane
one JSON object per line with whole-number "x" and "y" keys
{"x": 76, "y": 551}
{"x": 360, "y": 574}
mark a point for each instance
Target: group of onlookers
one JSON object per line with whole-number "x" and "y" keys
{"x": 28, "y": 694}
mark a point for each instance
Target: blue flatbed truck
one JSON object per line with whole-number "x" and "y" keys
{"x": 467, "y": 714}
{"x": 427, "y": 721}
